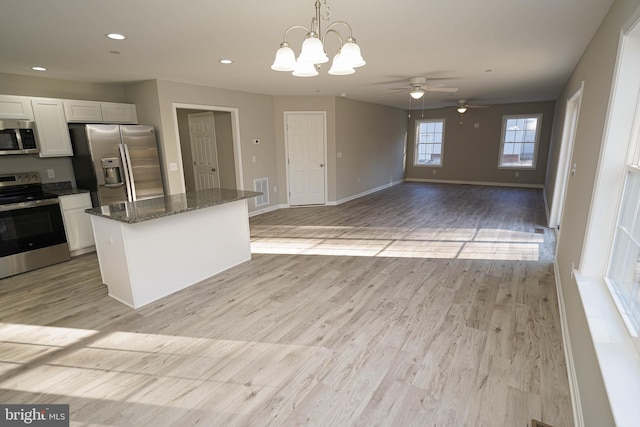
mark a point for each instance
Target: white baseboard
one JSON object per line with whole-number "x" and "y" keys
{"x": 492, "y": 184}
{"x": 365, "y": 193}
{"x": 83, "y": 251}
{"x": 578, "y": 420}
{"x": 267, "y": 209}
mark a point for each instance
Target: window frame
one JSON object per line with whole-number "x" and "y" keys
{"x": 625, "y": 305}
{"x": 536, "y": 142}
{"x": 416, "y": 144}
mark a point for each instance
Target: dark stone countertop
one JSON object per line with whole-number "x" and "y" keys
{"x": 159, "y": 207}
{"x": 62, "y": 188}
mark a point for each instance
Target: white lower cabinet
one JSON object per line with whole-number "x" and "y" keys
{"x": 77, "y": 223}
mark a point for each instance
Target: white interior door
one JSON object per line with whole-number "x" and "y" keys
{"x": 204, "y": 151}
{"x": 306, "y": 158}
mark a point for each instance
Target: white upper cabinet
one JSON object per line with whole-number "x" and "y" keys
{"x": 99, "y": 112}
{"x": 51, "y": 127}
{"x": 82, "y": 111}
{"x": 15, "y": 108}
{"x": 113, "y": 112}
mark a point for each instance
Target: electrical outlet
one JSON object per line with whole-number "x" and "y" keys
{"x": 51, "y": 173}
{"x": 275, "y": 189}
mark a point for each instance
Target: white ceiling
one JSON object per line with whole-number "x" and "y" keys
{"x": 530, "y": 46}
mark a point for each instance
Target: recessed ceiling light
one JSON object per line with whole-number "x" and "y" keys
{"x": 225, "y": 61}
{"x": 38, "y": 69}
{"x": 116, "y": 36}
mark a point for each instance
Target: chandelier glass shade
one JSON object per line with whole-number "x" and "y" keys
{"x": 462, "y": 110}
{"x": 313, "y": 54}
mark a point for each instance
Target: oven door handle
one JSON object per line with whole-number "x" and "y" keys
{"x": 29, "y": 204}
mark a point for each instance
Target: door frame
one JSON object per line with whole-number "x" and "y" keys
{"x": 572, "y": 115}
{"x": 235, "y": 133}
{"x": 286, "y": 115}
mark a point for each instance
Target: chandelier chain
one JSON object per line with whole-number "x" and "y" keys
{"x": 327, "y": 14}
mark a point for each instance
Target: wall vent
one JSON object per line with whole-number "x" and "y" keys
{"x": 261, "y": 185}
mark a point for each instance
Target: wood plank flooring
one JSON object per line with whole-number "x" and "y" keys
{"x": 420, "y": 305}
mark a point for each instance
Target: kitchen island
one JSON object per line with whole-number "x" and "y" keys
{"x": 152, "y": 248}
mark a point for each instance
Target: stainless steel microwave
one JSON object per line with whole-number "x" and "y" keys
{"x": 18, "y": 137}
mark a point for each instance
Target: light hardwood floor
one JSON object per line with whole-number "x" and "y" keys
{"x": 420, "y": 305}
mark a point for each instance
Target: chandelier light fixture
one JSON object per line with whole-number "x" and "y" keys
{"x": 312, "y": 55}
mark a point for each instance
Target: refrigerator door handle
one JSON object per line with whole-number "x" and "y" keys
{"x": 128, "y": 172}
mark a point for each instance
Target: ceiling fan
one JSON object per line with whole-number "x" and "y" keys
{"x": 418, "y": 86}
{"x": 463, "y": 106}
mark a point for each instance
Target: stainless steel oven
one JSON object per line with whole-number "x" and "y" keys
{"x": 31, "y": 228}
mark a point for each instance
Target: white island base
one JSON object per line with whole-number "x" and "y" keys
{"x": 145, "y": 261}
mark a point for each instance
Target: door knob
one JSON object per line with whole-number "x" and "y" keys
{"x": 213, "y": 170}
{"x": 321, "y": 165}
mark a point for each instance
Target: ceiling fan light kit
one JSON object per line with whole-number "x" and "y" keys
{"x": 418, "y": 87}
{"x": 347, "y": 58}
{"x": 463, "y": 106}
{"x": 417, "y": 93}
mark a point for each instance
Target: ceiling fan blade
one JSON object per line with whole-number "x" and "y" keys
{"x": 402, "y": 89}
{"x": 477, "y": 106}
{"x": 440, "y": 89}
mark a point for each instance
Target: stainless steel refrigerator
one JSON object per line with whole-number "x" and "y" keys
{"x": 117, "y": 163}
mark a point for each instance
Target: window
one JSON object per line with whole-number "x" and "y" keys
{"x": 519, "y": 146}
{"x": 623, "y": 272}
{"x": 429, "y": 140}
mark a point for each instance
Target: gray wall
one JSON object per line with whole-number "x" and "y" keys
{"x": 371, "y": 139}
{"x": 470, "y": 153}
{"x": 224, "y": 142}
{"x": 595, "y": 68}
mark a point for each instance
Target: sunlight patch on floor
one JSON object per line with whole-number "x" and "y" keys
{"x": 400, "y": 242}
{"x": 150, "y": 369}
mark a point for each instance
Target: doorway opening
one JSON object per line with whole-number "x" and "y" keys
{"x": 210, "y": 153}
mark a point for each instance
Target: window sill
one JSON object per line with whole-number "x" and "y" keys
{"x": 617, "y": 356}
{"x": 423, "y": 165}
